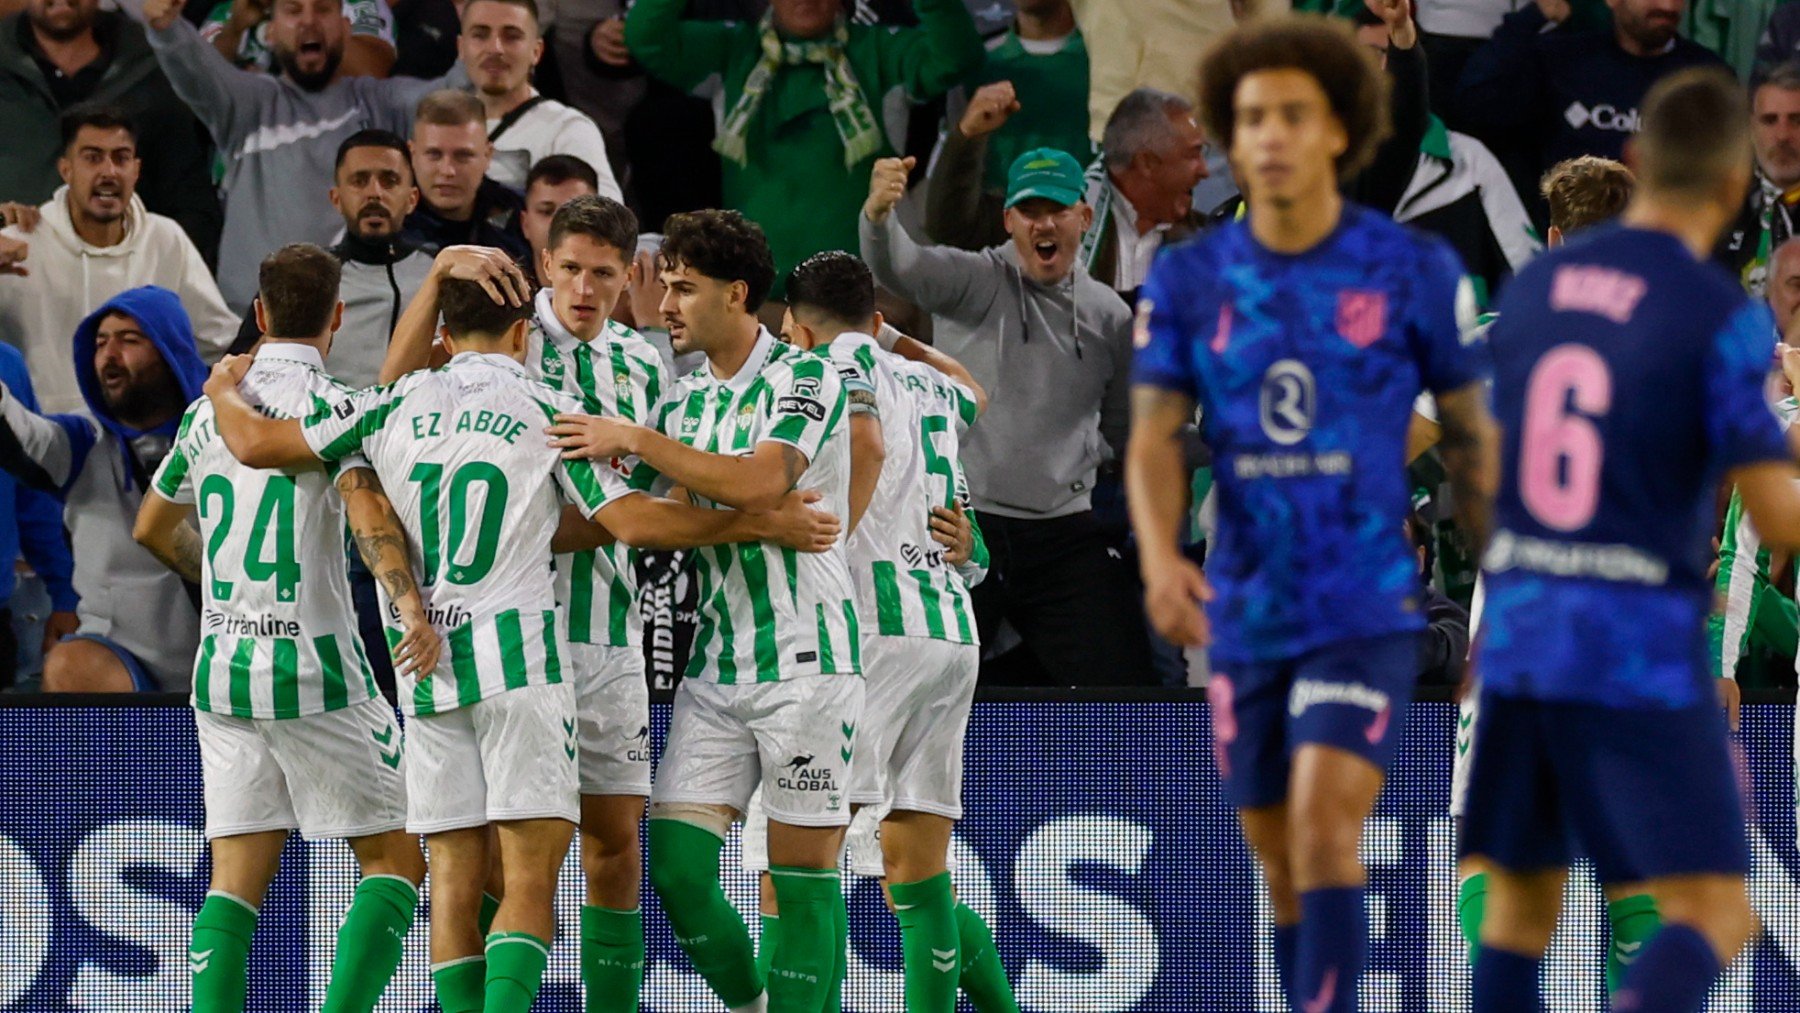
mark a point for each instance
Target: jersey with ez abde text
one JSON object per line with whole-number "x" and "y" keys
{"x": 462, "y": 453}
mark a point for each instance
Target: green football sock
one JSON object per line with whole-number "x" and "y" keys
{"x": 219, "y": 955}
{"x": 484, "y": 920}
{"x": 983, "y": 976}
{"x": 929, "y": 943}
{"x": 804, "y": 968}
{"x": 612, "y": 958}
{"x": 834, "y": 999}
{"x": 1471, "y": 903}
{"x": 515, "y": 969}
{"x": 370, "y": 943}
{"x": 765, "y": 944}
{"x": 684, "y": 871}
{"x": 460, "y": 984}
{"x": 1633, "y": 920}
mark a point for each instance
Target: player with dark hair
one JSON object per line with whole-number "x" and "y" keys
{"x": 493, "y": 733}
{"x": 773, "y": 693}
{"x": 914, "y": 555}
{"x": 1629, "y": 377}
{"x": 1303, "y": 333}
{"x": 293, "y": 733}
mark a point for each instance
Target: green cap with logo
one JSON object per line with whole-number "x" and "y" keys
{"x": 1047, "y": 173}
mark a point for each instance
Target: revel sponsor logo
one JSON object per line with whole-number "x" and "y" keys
{"x": 806, "y": 406}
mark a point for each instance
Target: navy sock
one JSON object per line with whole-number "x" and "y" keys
{"x": 1673, "y": 975}
{"x": 1333, "y": 943}
{"x": 1506, "y": 982}
{"x": 1287, "y": 951}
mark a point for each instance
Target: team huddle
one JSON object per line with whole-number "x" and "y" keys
{"x": 498, "y": 484}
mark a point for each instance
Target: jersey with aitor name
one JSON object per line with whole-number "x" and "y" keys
{"x": 278, "y": 633}
{"x": 1306, "y": 367}
{"x": 767, "y": 612}
{"x": 904, "y": 586}
{"x": 1628, "y": 377}
{"x": 462, "y": 453}
{"x": 616, "y": 375}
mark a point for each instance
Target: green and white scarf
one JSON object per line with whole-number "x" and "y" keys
{"x": 1100, "y": 198}
{"x": 850, "y": 112}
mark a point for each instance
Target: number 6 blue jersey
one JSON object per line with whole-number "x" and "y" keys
{"x": 1305, "y": 368}
{"x": 1628, "y": 378}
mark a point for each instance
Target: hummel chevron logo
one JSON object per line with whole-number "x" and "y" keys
{"x": 569, "y": 746}
{"x": 845, "y": 753}
{"x": 849, "y": 730}
{"x": 198, "y": 961}
{"x": 382, "y": 738}
{"x": 1465, "y": 721}
{"x": 943, "y": 961}
{"x": 1628, "y": 952}
{"x": 569, "y": 728}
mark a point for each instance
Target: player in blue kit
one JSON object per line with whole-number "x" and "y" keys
{"x": 1628, "y": 377}
{"x": 1303, "y": 333}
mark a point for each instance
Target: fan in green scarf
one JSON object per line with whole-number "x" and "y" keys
{"x": 850, "y": 110}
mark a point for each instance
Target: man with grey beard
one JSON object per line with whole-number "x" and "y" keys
{"x": 279, "y": 135}
{"x": 1768, "y": 217}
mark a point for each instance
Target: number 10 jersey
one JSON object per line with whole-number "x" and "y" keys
{"x": 463, "y": 455}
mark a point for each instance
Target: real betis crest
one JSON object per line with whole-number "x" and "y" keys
{"x": 622, "y": 380}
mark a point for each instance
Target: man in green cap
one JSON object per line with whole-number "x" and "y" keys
{"x": 804, "y": 102}
{"x": 1052, "y": 346}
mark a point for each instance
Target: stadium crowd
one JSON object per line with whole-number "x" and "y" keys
{"x": 176, "y": 145}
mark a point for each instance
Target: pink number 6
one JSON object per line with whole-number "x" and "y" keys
{"x": 1560, "y": 452}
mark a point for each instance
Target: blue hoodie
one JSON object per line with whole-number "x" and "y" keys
{"x": 158, "y": 311}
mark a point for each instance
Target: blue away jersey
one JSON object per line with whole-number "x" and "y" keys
{"x": 1305, "y": 368}
{"x": 1628, "y": 377}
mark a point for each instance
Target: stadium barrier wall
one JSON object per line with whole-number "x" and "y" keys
{"x": 1096, "y": 844}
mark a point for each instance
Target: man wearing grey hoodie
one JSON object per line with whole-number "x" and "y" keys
{"x": 279, "y": 135}
{"x": 1052, "y": 346}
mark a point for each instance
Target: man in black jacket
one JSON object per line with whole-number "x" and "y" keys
{"x": 1538, "y": 97}
{"x": 1769, "y": 214}
{"x": 374, "y": 193}
{"x": 458, "y": 204}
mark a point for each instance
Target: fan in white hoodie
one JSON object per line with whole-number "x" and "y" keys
{"x": 69, "y": 276}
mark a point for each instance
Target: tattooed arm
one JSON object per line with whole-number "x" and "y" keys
{"x": 162, "y": 528}
{"x": 1470, "y": 447}
{"x": 382, "y": 543}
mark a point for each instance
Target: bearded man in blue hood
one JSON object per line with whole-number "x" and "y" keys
{"x": 138, "y": 369}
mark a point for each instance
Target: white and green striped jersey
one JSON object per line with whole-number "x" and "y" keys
{"x": 766, "y": 612}
{"x": 278, "y": 631}
{"x": 904, "y": 586}
{"x": 462, "y": 453}
{"x": 1743, "y": 576}
{"x": 618, "y": 375}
